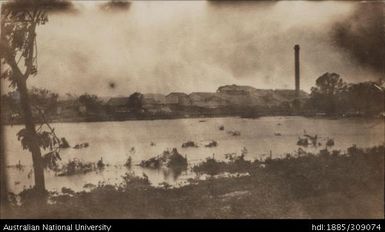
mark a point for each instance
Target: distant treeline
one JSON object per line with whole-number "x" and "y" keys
{"x": 331, "y": 96}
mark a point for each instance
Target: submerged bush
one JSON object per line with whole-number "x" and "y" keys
{"x": 74, "y": 167}
{"x": 175, "y": 160}
{"x": 170, "y": 159}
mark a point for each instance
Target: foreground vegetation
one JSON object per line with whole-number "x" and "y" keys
{"x": 326, "y": 185}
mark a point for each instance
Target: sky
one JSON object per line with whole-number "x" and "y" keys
{"x": 197, "y": 46}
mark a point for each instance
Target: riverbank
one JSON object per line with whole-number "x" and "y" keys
{"x": 325, "y": 185}
{"x": 194, "y": 116}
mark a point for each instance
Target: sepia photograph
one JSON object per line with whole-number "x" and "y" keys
{"x": 209, "y": 109}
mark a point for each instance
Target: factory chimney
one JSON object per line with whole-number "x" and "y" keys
{"x": 296, "y": 66}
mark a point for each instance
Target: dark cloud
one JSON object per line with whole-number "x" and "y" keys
{"x": 50, "y": 5}
{"x": 114, "y": 5}
{"x": 362, "y": 35}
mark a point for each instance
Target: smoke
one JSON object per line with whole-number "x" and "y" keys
{"x": 257, "y": 39}
{"x": 165, "y": 46}
{"x": 362, "y": 35}
{"x": 50, "y": 5}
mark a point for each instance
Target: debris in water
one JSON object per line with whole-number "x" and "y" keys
{"x": 80, "y": 146}
{"x": 89, "y": 186}
{"x": 313, "y": 139}
{"x": 234, "y": 133}
{"x": 244, "y": 151}
{"x": 19, "y": 165}
{"x": 189, "y": 144}
{"x": 302, "y": 142}
{"x": 66, "y": 190}
{"x": 329, "y": 142}
{"x": 212, "y": 143}
{"x": 100, "y": 164}
{"x": 128, "y": 162}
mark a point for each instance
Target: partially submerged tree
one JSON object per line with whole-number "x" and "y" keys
{"x": 19, "y": 20}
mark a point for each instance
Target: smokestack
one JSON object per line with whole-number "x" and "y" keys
{"x": 296, "y": 58}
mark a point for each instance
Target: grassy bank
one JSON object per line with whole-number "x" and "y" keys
{"x": 323, "y": 185}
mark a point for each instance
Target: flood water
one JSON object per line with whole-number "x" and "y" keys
{"x": 116, "y": 141}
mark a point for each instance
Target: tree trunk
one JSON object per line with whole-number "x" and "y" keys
{"x": 34, "y": 146}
